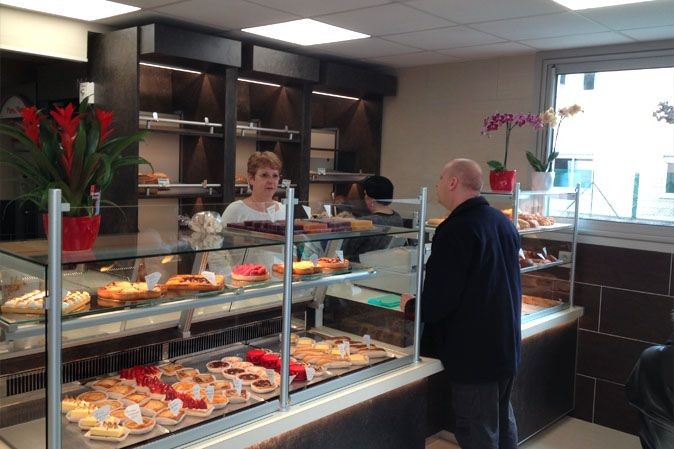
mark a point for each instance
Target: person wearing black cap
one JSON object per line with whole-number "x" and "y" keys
{"x": 377, "y": 195}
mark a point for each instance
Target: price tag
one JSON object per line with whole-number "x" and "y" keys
{"x": 175, "y": 406}
{"x": 521, "y": 253}
{"x": 545, "y": 251}
{"x": 307, "y": 210}
{"x": 163, "y": 182}
{"x": 355, "y": 290}
{"x": 210, "y": 391}
{"x": 340, "y": 255}
{"x": 210, "y": 277}
{"x": 314, "y": 259}
{"x": 238, "y": 384}
{"x": 271, "y": 375}
{"x": 320, "y": 170}
{"x": 328, "y": 209}
{"x": 540, "y": 255}
{"x": 342, "y": 350}
{"x": 291, "y": 378}
{"x": 347, "y": 347}
{"x": 133, "y": 413}
{"x": 196, "y": 391}
{"x": 271, "y": 211}
{"x": 367, "y": 340}
{"x": 102, "y": 413}
{"x": 311, "y": 372}
{"x": 285, "y": 183}
{"x": 152, "y": 279}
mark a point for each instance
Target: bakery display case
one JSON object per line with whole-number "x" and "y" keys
{"x": 169, "y": 335}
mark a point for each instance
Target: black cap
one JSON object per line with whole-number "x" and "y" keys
{"x": 378, "y": 187}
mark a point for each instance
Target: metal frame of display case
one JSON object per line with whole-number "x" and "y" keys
{"x": 55, "y": 326}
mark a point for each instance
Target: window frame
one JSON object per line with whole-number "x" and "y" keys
{"x": 648, "y": 55}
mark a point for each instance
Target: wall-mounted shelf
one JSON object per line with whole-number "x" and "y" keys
{"x": 177, "y": 189}
{"x": 336, "y": 177}
{"x": 252, "y": 131}
{"x": 151, "y": 122}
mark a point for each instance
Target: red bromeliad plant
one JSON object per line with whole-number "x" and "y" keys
{"x": 71, "y": 151}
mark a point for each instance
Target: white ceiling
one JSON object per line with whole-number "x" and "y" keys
{"x": 424, "y": 32}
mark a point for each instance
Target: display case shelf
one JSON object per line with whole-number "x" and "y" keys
{"x": 543, "y": 266}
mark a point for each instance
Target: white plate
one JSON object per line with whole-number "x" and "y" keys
{"x": 100, "y": 438}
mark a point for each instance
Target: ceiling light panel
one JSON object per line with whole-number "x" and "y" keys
{"x": 76, "y": 9}
{"x": 306, "y": 32}
{"x": 588, "y": 4}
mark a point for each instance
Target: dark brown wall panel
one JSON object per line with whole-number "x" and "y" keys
{"x": 584, "y": 406}
{"x": 612, "y": 410}
{"x": 588, "y": 297}
{"x": 607, "y": 357}
{"x": 636, "y": 315}
{"x": 267, "y": 61}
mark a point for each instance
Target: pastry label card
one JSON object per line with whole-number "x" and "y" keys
{"x": 133, "y": 413}
{"x": 152, "y": 279}
{"x": 271, "y": 375}
{"x": 340, "y": 255}
{"x": 238, "y": 384}
{"x": 314, "y": 259}
{"x": 101, "y": 413}
{"x": 342, "y": 350}
{"x": 328, "y": 209}
{"x": 175, "y": 406}
{"x": 311, "y": 372}
{"x": 367, "y": 340}
{"x": 210, "y": 276}
{"x": 196, "y": 391}
{"x": 210, "y": 391}
{"x": 285, "y": 183}
{"x": 307, "y": 210}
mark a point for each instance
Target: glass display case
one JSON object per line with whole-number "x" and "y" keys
{"x": 203, "y": 328}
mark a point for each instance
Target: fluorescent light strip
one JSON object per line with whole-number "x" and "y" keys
{"x": 168, "y": 67}
{"x": 305, "y": 32}
{"x": 576, "y": 5}
{"x": 317, "y": 92}
{"x": 77, "y": 9}
{"x": 246, "y": 80}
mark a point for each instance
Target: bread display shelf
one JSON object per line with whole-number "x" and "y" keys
{"x": 552, "y": 228}
{"x": 543, "y": 266}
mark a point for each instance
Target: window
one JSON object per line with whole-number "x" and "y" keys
{"x": 622, "y": 157}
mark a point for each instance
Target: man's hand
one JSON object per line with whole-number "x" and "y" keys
{"x": 404, "y": 299}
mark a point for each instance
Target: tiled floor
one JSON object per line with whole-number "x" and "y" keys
{"x": 566, "y": 434}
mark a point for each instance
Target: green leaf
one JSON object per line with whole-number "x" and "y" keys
{"x": 496, "y": 165}
{"x": 535, "y": 163}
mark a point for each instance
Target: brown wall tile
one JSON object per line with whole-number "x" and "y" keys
{"x": 671, "y": 277}
{"x": 645, "y": 271}
{"x": 607, "y": 357}
{"x": 588, "y": 297}
{"x": 636, "y": 315}
{"x": 584, "y": 398}
{"x": 612, "y": 409}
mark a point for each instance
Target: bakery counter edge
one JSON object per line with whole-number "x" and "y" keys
{"x": 310, "y": 412}
{"x": 551, "y": 321}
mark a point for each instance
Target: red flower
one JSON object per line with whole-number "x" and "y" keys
{"x": 104, "y": 121}
{"x": 68, "y": 124}
{"x": 31, "y": 124}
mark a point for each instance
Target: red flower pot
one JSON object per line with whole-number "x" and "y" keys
{"x": 502, "y": 180}
{"x": 78, "y": 233}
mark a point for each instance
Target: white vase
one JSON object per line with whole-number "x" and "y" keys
{"x": 542, "y": 180}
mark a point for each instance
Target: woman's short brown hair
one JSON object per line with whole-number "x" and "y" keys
{"x": 263, "y": 159}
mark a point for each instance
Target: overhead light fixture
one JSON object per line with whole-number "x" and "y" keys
{"x": 168, "y": 67}
{"x": 588, "y": 4}
{"x": 76, "y": 9}
{"x": 305, "y": 32}
{"x": 318, "y": 92}
{"x": 246, "y": 80}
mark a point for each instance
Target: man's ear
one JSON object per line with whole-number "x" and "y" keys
{"x": 453, "y": 182}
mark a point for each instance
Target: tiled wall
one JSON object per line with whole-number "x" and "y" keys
{"x": 628, "y": 296}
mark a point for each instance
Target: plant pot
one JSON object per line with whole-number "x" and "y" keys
{"x": 502, "y": 180}
{"x": 78, "y": 233}
{"x": 542, "y": 180}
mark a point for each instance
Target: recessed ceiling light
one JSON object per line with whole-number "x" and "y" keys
{"x": 306, "y": 32}
{"x": 264, "y": 83}
{"x": 318, "y": 92}
{"x": 587, "y": 4}
{"x": 168, "y": 67}
{"x": 76, "y": 9}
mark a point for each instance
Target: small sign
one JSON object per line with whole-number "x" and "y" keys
{"x": 210, "y": 277}
{"x": 307, "y": 210}
{"x": 238, "y": 384}
{"x": 271, "y": 211}
{"x": 521, "y": 253}
{"x": 355, "y": 290}
{"x": 367, "y": 340}
{"x": 271, "y": 375}
{"x": 152, "y": 279}
{"x": 320, "y": 170}
{"x": 175, "y": 406}
{"x": 340, "y": 255}
{"x": 342, "y": 350}
{"x": 314, "y": 259}
{"x": 163, "y": 182}
{"x": 196, "y": 391}
{"x": 210, "y": 391}
{"x": 328, "y": 209}
{"x": 102, "y": 413}
{"x": 311, "y": 372}
{"x": 133, "y": 413}
{"x": 347, "y": 347}
{"x": 285, "y": 183}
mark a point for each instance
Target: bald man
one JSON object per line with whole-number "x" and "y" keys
{"x": 471, "y": 308}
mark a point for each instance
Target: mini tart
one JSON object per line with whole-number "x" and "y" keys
{"x": 299, "y": 371}
{"x": 231, "y": 373}
{"x": 186, "y": 373}
{"x": 270, "y": 361}
{"x": 299, "y": 268}
{"x": 170, "y": 368}
{"x": 259, "y": 370}
{"x": 220, "y": 399}
{"x": 216, "y": 366}
{"x": 104, "y": 384}
{"x": 151, "y": 407}
{"x": 92, "y": 396}
{"x": 136, "y": 398}
{"x": 129, "y": 291}
{"x": 203, "y": 378}
{"x": 166, "y": 417}
{"x": 184, "y": 386}
{"x": 113, "y": 403}
{"x": 237, "y": 398}
{"x": 244, "y": 365}
{"x": 222, "y": 385}
{"x": 119, "y": 391}
{"x": 137, "y": 429}
{"x": 89, "y": 421}
{"x": 250, "y": 272}
{"x": 332, "y": 263}
{"x": 119, "y": 414}
{"x": 254, "y": 355}
{"x": 248, "y": 378}
{"x": 263, "y": 386}
{"x": 70, "y": 403}
{"x": 232, "y": 359}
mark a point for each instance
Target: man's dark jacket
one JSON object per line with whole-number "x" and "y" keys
{"x": 471, "y": 301}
